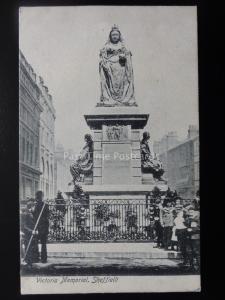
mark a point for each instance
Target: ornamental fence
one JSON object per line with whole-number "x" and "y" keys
{"x": 128, "y": 220}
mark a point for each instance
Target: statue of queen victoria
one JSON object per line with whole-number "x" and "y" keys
{"x": 116, "y": 72}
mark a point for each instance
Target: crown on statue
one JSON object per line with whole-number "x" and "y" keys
{"x": 115, "y": 27}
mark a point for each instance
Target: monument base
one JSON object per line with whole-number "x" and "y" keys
{"x": 121, "y": 192}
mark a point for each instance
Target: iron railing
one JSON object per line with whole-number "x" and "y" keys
{"x": 100, "y": 222}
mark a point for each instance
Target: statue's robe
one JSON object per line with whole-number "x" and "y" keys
{"x": 116, "y": 74}
{"x": 149, "y": 163}
{"x": 84, "y": 163}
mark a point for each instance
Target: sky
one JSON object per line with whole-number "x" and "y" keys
{"x": 62, "y": 44}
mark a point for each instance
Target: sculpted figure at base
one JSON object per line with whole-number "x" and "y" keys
{"x": 84, "y": 164}
{"x": 149, "y": 161}
{"x": 116, "y": 72}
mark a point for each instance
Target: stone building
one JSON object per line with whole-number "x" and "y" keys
{"x": 183, "y": 165}
{"x": 47, "y": 142}
{"x": 196, "y": 163}
{"x": 63, "y": 160}
{"x": 161, "y": 148}
{"x": 30, "y": 109}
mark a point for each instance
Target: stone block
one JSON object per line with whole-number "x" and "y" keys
{"x": 136, "y": 180}
{"x": 136, "y": 154}
{"x": 116, "y": 163}
{"x": 136, "y": 163}
{"x": 136, "y": 145}
{"x": 97, "y": 162}
{"x": 97, "y": 135}
{"x": 97, "y": 180}
{"x": 97, "y": 146}
{"x": 136, "y": 172}
{"x": 147, "y": 179}
{"x": 97, "y": 171}
{"x": 135, "y": 135}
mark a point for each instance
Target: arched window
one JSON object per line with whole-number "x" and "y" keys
{"x": 31, "y": 153}
{"x": 23, "y": 149}
{"x": 28, "y": 152}
{"x": 51, "y": 178}
{"x": 47, "y": 171}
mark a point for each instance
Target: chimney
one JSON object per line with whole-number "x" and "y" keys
{"x": 172, "y": 139}
{"x": 192, "y": 131}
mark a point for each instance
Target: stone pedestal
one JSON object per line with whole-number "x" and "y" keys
{"x": 117, "y": 157}
{"x": 116, "y": 135}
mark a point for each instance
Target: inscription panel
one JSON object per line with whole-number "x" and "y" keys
{"x": 116, "y": 164}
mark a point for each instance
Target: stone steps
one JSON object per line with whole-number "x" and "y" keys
{"x": 109, "y": 250}
{"x": 151, "y": 255}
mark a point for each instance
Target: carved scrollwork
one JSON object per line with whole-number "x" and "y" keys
{"x": 116, "y": 133}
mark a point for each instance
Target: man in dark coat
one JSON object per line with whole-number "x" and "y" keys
{"x": 27, "y": 228}
{"x": 43, "y": 224}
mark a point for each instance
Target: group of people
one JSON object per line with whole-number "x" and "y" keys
{"x": 34, "y": 230}
{"x": 177, "y": 227}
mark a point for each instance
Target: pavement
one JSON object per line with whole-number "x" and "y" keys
{"x": 108, "y": 259}
{"x": 110, "y": 250}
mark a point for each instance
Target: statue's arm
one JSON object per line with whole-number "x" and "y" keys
{"x": 103, "y": 58}
{"x": 129, "y": 64}
{"x": 103, "y": 53}
{"x": 144, "y": 149}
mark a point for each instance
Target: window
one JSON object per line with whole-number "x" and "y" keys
{"x": 28, "y": 152}
{"x": 48, "y": 171}
{"x": 23, "y": 149}
{"x": 24, "y": 188}
{"x": 47, "y": 190}
{"x": 51, "y": 179}
{"x": 196, "y": 171}
{"x": 36, "y": 185}
{"x": 31, "y": 154}
{"x": 36, "y": 156}
{"x": 29, "y": 189}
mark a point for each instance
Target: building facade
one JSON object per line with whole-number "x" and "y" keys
{"x": 30, "y": 109}
{"x": 182, "y": 163}
{"x": 36, "y": 134}
{"x": 47, "y": 142}
{"x": 196, "y": 164}
{"x": 63, "y": 160}
{"x": 161, "y": 148}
